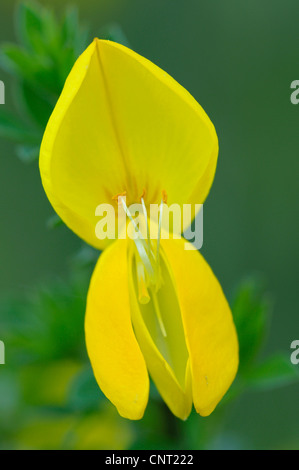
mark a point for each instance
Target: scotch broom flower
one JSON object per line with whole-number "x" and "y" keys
{"x": 124, "y": 126}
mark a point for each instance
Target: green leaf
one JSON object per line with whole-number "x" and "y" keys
{"x": 40, "y": 65}
{"x": 17, "y": 60}
{"x": 40, "y": 71}
{"x": 275, "y": 372}
{"x": 73, "y": 34}
{"x": 30, "y": 25}
{"x": 38, "y": 29}
{"x": 70, "y": 24}
{"x": 251, "y": 310}
{"x": 35, "y": 103}
{"x": 47, "y": 325}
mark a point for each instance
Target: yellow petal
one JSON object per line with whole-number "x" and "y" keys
{"x": 166, "y": 356}
{"x": 80, "y": 161}
{"x": 117, "y": 361}
{"x": 210, "y": 332}
{"x": 168, "y": 140}
{"x": 123, "y": 124}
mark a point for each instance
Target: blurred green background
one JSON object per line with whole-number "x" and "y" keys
{"x": 238, "y": 60}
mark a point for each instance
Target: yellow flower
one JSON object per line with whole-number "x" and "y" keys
{"x": 122, "y": 125}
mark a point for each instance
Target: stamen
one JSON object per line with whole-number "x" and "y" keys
{"x": 140, "y": 243}
{"x": 143, "y": 294}
{"x": 164, "y": 196}
{"x": 118, "y": 196}
{"x": 147, "y": 257}
{"x": 130, "y": 216}
{"x": 143, "y": 194}
{"x": 158, "y": 313}
{"x": 146, "y": 223}
{"x": 159, "y": 232}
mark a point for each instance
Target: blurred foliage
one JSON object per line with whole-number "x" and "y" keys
{"x": 49, "y": 397}
{"x": 49, "y": 391}
{"x": 40, "y": 64}
{"x": 47, "y": 50}
{"x": 251, "y": 309}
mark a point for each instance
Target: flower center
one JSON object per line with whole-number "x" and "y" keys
{"x": 147, "y": 254}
